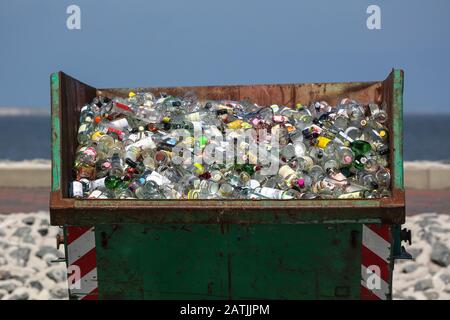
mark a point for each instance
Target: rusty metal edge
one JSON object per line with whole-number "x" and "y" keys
{"x": 66, "y": 211}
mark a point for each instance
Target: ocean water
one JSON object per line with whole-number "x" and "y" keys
{"x": 426, "y": 137}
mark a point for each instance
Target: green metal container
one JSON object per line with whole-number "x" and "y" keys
{"x": 233, "y": 249}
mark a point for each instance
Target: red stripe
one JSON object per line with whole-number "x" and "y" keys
{"x": 123, "y": 106}
{"x": 73, "y": 233}
{"x": 382, "y": 230}
{"x": 87, "y": 262}
{"x": 366, "y": 294}
{"x": 93, "y": 295}
{"x": 371, "y": 259}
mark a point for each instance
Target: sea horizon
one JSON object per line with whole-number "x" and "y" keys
{"x": 26, "y": 135}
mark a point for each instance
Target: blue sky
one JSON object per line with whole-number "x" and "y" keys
{"x": 198, "y": 42}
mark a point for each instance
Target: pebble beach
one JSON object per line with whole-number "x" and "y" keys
{"x": 29, "y": 267}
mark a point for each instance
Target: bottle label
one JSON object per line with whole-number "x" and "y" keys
{"x": 351, "y": 195}
{"x": 122, "y": 106}
{"x": 157, "y": 178}
{"x": 271, "y": 193}
{"x": 146, "y": 143}
{"x": 286, "y": 171}
{"x": 95, "y": 194}
{"x": 83, "y": 128}
{"x": 193, "y": 116}
{"x": 116, "y": 131}
{"x": 133, "y": 137}
{"x": 90, "y": 152}
{"x": 77, "y": 189}
{"x": 253, "y": 184}
{"x": 98, "y": 184}
{"x": 120, "y": 124}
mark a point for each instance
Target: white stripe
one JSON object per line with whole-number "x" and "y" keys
{"x": 376, "y": 244}
{"x": 81, "y": 246}
{"x": 380, "y": 292}
{"x": 85, "y": 285}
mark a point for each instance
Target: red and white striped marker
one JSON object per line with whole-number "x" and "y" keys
{"x": 82, "y": 263}
{"x": 375, "y": 262}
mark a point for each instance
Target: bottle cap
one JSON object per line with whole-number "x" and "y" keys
{"x": 106, "y": 165}
{"x": 97, "y": 135}
{"x": 347, "y": 159}
{"x": 131, "y": 94}
{"x": 200, "y": 169}
{"x": 130, "y": 162}
{"x": 301, "y": 183}
{"x": 203, "y": 141}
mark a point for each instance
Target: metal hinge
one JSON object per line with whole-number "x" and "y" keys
{"x": 400, "y": 235}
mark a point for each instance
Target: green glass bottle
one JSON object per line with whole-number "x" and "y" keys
{"x": 359, "y": 162}
{"x": 112, "y": 182}
{"x": 247, "y": 167}
{"x": 346, "y": 171}
{"x": 360, "y": 147}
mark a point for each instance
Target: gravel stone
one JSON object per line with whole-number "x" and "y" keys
{"x": 28, "y": 220}
{"x": 3, "y": 293}
{"x": 439, "y": 229}
{"x": 431, "y": 295}
{"x": 440, "y": 254}
{"x": 43, "y": 231}
{"x": 20, "y": 296}
{"x": 5, "y": 275}
{"x": 36, "y": 285}
{"x": 445, "y": 278}
{"x": 59, "y": 293}
{"x": 4, "y": 245}
{"x": 21, "y": 255}
{"x": 409, "y": 268}
{"x": 8, "y": 286}
{"x": 22, "y": 232}
{"x": 415, "y": 252}
{"x": 426, "y": 222}
{"x": 57, "y": 275}
{"x": 29, "y": 239}
{"x": 48, "y": 249}
{"x": 423, "y": 285}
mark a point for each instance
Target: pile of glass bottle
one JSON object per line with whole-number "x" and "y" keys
{"x": 128, "y": 149}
